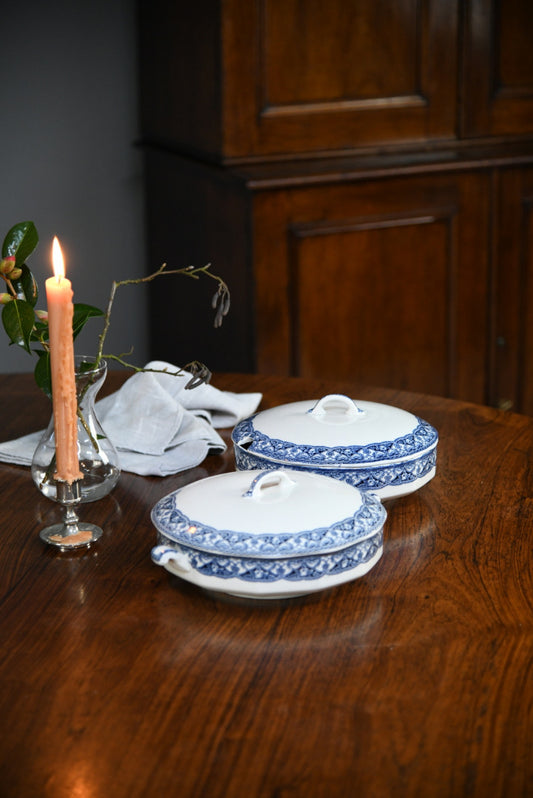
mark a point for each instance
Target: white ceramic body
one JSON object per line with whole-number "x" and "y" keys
{"x": 186, "y": 563}
{"x": 386, "y": 480}
{"x": 371, "y": 446}
{"x": 268, "y": 534}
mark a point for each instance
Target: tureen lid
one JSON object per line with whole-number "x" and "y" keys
{"x": 268, "y": 514}
{"x": 335, "y": 430}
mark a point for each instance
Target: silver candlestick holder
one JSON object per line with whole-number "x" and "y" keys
{"x": 71, "y": 533}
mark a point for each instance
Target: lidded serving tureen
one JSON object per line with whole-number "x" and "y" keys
{"x": 372, "y": 446}
{"x": 268, "y": 534}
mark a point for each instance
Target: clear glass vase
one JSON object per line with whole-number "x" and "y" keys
{"x": 97, "y": 456}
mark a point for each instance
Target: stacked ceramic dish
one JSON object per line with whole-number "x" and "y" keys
{"x": 374, "y": 447}
{"x": 268, "y": 534}
{"x": 280, "y": 525}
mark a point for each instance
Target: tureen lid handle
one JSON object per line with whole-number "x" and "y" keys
{"x": 270, "y": 486}
{"x": 336, "y": 401}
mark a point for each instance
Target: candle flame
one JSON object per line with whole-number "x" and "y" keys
{"x": 57, "y": 260}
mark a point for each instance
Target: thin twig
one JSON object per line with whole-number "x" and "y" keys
{"x": 221, "y": 300}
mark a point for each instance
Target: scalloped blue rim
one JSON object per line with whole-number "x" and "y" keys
{"x": 374, "y": 478}
{"x": 419, "y": 440}
{"x": 174, "y": 524}
{"x": 291, "y": 569}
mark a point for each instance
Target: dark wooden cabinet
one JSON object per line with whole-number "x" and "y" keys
{"x": 240, "y": 80}
{"x": 361, "y": 173}
{"x": 497, "y": 75}
{"x": 513, "y": 369}
{"x": 384, "y": 281}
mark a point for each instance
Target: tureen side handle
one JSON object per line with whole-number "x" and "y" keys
{"x": 162, "y": 555}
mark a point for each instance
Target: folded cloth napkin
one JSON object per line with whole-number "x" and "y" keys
{"x": 157, "y": 426}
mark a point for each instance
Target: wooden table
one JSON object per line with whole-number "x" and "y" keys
{"x": 117, "y": 679}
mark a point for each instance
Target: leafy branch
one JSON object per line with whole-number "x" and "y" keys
{"x": 27, "y": 326}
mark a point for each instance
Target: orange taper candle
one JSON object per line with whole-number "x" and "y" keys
{"x": 60, "y": 314}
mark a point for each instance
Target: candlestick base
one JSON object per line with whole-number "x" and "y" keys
{"x": 71, "y": 533}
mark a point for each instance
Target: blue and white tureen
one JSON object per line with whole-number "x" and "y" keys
{"x": 268, "y": 534}
{"x": 374, "y": 447}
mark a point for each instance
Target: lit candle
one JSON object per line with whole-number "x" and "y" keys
{"x": 60, "y": 313}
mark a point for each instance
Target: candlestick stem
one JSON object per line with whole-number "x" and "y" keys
{"x": 71, "y": 533}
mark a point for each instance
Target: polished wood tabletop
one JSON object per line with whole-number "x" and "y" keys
{"x": 118, "y": 679}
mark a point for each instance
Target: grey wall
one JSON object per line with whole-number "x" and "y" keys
{"x": 68, "y": 161}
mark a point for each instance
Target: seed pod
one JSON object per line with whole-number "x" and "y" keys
{"x": 5, "y": 299}
{"x": 16, "y": 272}
{"x": 7, "y": 265}
{"x": 42, "y": 315}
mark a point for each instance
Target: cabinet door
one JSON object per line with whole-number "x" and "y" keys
{"x": 324, "y": 75}
{"x": 498, "y": 68}
{"x": 512, "y": 386}
{"x": 384, "y": 282}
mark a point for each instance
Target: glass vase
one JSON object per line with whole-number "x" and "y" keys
{"x": 98, "y": 457}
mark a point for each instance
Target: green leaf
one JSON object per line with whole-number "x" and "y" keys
{"x": 20, "y": 241}
{"x": 18, "y": 319}
{"x": 82, "y": 313}
{"x": 26, "y": 286}
{"x": 41, "y": 331}
{"x": 42, "y": 373}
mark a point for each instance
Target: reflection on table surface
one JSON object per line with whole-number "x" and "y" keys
{"x": 120, "y": 679}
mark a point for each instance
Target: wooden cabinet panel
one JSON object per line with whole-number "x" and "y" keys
{"x": 180, "y": 75}
{"x": 512, "y": 387}
{"x": 353, "y": 282}
{"x": 317, "y": 60}
{"x": 243, "y": 80}
{"x": 498, "y": 68}
{"x": 386, "y": 282}
{"x": 332, "y": 76}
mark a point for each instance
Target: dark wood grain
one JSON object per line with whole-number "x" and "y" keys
{"x": 266, "y": 127}
{"x": 497, "y": 73}
{"x": 117, "y": 679}
{"x": 383, "y": 282}
{"x": 513, "y": 371}
{"x": 247, "y": 80}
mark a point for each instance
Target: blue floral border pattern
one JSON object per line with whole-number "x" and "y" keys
{"x": 420, "y": 439}
{"x": 366, "y": 479}
{"x": 293, "y": 569}
{"x": 171, "y": 522}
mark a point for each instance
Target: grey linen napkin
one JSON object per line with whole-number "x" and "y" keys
{"x": 157, "y": 426}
